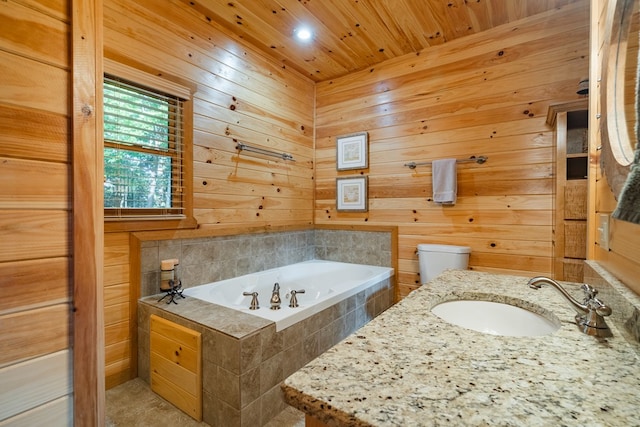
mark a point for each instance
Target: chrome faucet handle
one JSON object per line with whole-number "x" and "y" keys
{"x": 601, "y": 308}
{"x": 592, "y": 323}
{"x": 592, "y": 302}
{"x": 293, "y": 302}
{"x": 275, "y": 297}
{"x": 589, "y": 292}
{"x": 254, "y": 300}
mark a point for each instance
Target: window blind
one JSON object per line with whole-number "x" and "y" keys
{"x": 143, "y": 151}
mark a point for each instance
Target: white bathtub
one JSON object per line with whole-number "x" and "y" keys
{"x": 325, "y": 283}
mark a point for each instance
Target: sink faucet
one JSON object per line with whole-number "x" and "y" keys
{"x": 591, "y": 313}
{"x": 275, "y": 297}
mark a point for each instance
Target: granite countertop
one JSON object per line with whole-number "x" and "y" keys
{"x": 409, "y": 367}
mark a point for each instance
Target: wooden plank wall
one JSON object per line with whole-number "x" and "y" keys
{"x": 239, "y": 96}
{"x": 485, "y": 94}
{"x": 119, "y": 331}
{"x": 623, "y": 257}
{"x": 35, "y": 213}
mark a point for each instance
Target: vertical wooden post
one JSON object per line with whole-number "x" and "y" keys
{"x": 88, "y": 225}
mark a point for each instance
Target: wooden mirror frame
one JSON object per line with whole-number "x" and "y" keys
{"x": 617, "y": 145}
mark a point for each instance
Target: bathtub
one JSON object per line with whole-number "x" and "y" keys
{"x": 325, "y": 283}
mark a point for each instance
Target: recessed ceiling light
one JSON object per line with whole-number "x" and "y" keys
{"x": 303, "y": 33}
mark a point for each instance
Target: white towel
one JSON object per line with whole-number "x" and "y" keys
{"x": 445, "y": 181}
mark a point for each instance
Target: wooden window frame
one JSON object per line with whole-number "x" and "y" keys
{"x": 160, "y": 222}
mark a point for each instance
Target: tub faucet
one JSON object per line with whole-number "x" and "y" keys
{"x": 254, "y": 300}
{"x": 275, "y": 297}
{"x": 293, "y": 302}
{"x": 591, "y": 313}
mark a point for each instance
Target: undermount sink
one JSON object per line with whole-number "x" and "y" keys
{"x": 495, "y": 318}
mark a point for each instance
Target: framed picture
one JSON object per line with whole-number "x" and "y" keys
{"x": 352, "y": 151}
{"x": 351, "y": 194}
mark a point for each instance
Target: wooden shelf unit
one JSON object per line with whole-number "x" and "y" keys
{"x": 570, "y": 123}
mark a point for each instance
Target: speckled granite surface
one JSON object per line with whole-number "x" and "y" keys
{"x": 408, "y": 367}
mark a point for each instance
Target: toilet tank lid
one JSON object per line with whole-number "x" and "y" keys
{"x": 444, "y": 248}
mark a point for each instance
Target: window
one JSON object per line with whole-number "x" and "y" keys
{"x": 143, "y": 151}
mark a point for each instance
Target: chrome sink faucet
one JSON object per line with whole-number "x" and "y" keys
{"x": 591, "y": 313}
{"x": 275, "y": 297}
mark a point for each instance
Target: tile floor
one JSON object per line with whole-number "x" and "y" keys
{"x": 133, "y": 404}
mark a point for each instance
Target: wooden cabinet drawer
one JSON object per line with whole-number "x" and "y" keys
{"x": 176, "y": 365}
{"x": 575, "y": 239}
{"x": 573, "y": 270}
{"x": 575, "y": 199}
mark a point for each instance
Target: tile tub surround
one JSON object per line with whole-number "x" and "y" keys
{"x": 210, "y": 259}
{"x": 408, "y": 367}
{"x": 245, "y": 359}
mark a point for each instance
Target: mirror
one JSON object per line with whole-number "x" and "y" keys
{"x": 619, "y": 68}
{"x": 632, "y": 56}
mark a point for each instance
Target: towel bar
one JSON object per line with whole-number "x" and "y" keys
{"x": 283, "y": 156}
{"x": 480, "y": 160}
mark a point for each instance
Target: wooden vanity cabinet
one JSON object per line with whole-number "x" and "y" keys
{"x": 570, "y": 124}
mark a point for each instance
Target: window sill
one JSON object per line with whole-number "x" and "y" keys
{"x": 151, "y": 223}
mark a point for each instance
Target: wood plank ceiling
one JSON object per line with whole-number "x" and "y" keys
{"x": 350, "y": 35}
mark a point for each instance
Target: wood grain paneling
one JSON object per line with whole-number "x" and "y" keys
{"x": 117, "y": 332}
{"x": 34, "y": 383}
{"x": 34, "y": 333}
{"x": 39, "y": 184}
{"x": 34, "y": 34}
{"x": 55, "y": 413}
{"x": 116, "y": 313}
{"x": 35, "y": 214}
{"x": 118, "y": 352}
{"x": 116, "y": 249}
{"x": 33, "y": 134}
{"x": 116, "y": 294}
{"x": 119, "y": 335}
{"x": 58, "y": 9}
{"x": 486, "y": 94}
{"x": 33, "y": 283}
{"x": 41, "y": 233}
{"x": 351, "y": 35}
{"x": 22, "y": 77}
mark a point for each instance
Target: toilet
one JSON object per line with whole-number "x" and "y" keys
{"x": 434, "y": 259}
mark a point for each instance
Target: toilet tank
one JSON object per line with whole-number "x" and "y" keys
{"x": 434, "y": 259}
